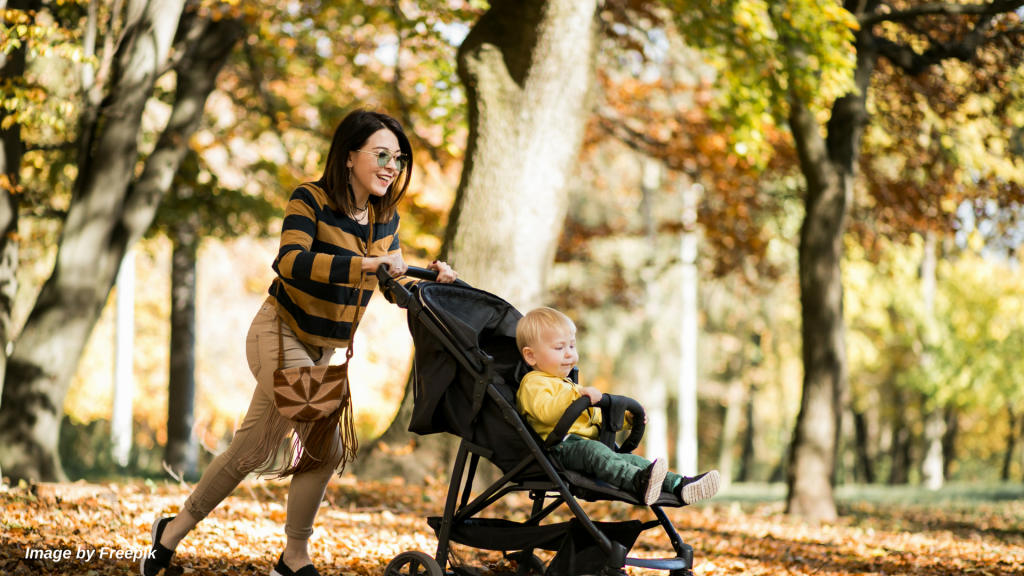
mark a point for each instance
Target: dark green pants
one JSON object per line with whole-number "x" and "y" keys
{"x": 595, "y": 459}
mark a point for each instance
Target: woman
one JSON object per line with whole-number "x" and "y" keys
{"x": 325, "y": 253}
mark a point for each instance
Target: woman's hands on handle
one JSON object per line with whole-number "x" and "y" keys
{"x": 396, "y": 265}
{"x": 445, "y": 274}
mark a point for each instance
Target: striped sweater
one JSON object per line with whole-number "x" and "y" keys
{"x": 318, "y": 267}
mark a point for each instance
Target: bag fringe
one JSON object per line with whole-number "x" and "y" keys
{"x": 312, "y": 446}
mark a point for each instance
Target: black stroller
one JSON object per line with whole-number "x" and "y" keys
{"x": 467, "y": 370}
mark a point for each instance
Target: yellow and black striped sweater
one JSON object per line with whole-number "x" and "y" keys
{"x": 318, "y": 267}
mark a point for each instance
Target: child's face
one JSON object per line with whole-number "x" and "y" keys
{"x": 555, "y": 354}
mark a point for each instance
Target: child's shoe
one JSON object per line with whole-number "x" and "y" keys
{"x": 700, "y": 487}
{"x": 648, "y": 482}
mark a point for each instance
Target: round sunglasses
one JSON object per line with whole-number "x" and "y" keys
{"x": 383, "y": 157}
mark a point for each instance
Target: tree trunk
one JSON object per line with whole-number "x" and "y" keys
{"x": 829, "y": 167}
{"x": 747, "y": 456}
{"x": 527, "y": 67}
{"x": 686, "y": 391}
{"x": 108, "y": 214}
{"x": 181, "y": 451}
{"x": 865, "y": 466}
{"x": 934, "y": 424}
{"x": 121, "y": 417}
{"x": 949, "y": 441}
{"x": 899, "y": 453}
{"x": 730, "y": 431}
{"x": 1011, "y": 443}
{"x": 12, "y": 67}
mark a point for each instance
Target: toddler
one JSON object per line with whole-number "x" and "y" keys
{"x": 547, "y": 340}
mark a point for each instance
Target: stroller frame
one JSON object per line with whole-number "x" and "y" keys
{"x": 458, "y": 506}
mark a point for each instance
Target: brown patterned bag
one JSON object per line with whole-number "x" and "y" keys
{"x": 309, "y": 393}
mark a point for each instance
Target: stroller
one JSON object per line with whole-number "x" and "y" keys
{"x": 466, "y": 372}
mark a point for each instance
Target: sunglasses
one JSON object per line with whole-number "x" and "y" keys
{"x": 383, "y": 157}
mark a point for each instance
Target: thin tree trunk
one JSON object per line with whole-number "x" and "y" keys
{"x": 829, "y": 167}
{"x": 747, "y": 456}
{"x": 934, "y": 424}
{"x": 730, "y": 431}
{"x": 121, "y": 418}
{"x": 899, "y": 453}
{"x": 1011, "y": 443}
{"x": 527, "y": 67}
{"x": 106, "y": 217}
{"x": 949, "y": 441}
{"x": 181, "y": 451}
{"x": 865, "y": 465}
{"x": 686, "y": 390}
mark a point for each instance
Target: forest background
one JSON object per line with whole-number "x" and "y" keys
{"x": 689, "y": 130}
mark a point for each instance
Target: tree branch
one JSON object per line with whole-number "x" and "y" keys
{"x": 965, "y": 50}
{"x": 942, "y": 8}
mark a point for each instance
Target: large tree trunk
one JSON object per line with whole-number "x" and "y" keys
{"x": 108, "y": 214}
{"x": 829, "y": 168}
{"x": 181, "y": 452}
{"x": 12, "y": 67}
{"x": 527, "y": 67}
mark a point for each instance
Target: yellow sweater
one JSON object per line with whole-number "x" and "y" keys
{"x": 543, "y": 398}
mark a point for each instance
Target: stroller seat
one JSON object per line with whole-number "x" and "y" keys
{"x": 466, "y": 372}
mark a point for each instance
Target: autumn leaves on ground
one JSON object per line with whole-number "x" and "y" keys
{"x": 364, "y": 524}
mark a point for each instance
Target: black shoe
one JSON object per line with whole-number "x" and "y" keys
{"x": 699, "y": 487}
{"x": 159, "y": 557}
{"x": 648, "y": 482}
{"x": 282, "y": 569}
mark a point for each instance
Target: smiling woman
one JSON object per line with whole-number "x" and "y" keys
{"x": 337, "y": 232}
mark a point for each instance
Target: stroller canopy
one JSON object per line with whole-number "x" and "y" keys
{"x": 482, "y": 328}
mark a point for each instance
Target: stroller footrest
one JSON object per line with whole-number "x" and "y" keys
{"x": 658, "y": 563}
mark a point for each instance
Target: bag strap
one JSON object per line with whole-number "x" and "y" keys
{"x": 355, "y": 320}
{"x": 359, "y": 299}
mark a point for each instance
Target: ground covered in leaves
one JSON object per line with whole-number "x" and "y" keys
{"x": 362, "y": 525}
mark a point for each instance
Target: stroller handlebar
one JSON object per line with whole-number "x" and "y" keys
{"x": 401, "y": 292}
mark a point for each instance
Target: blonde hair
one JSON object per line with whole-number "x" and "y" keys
{"x": 539, "y": 322}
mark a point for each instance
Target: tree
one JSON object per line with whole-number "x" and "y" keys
{"x": 12, "y": 68}
{"x": 110, "y": 209}
{"x": 526, "y": 68}
{"x": 816, "y": 56}
{"x": 192, "y": 211}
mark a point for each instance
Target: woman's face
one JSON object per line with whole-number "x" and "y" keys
{"x": 367, "y": 177}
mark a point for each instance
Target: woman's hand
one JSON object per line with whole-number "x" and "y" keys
{"x": 396, "y": 265}
{"x": 445, "y": 274}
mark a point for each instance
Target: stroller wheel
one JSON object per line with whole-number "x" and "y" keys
{"x": 413, "y": 564}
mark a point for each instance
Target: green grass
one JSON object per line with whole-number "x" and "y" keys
{"x": 882, "y": 494}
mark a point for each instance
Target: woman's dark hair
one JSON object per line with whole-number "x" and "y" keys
{"x": 352, "y": 134}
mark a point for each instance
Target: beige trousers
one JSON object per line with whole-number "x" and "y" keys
{"x": 223, "y": 475}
